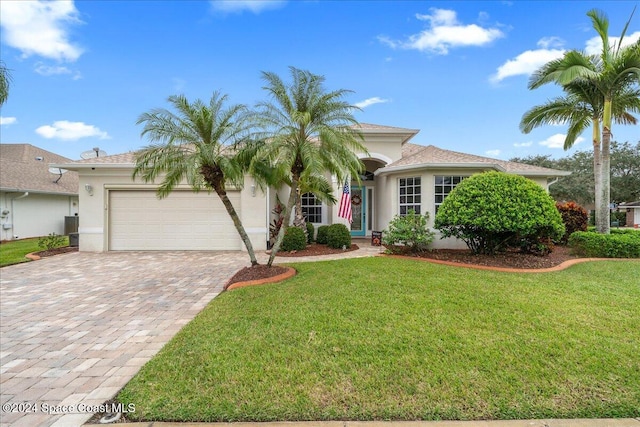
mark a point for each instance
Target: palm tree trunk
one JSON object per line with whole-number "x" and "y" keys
{"x": 597, "y": 170}
{"x": 236, "y": 221}
{"x": 605, "y": 177}
{"x": 287, "y": 219}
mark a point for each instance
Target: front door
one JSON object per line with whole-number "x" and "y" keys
{"x": 358, "y": 211}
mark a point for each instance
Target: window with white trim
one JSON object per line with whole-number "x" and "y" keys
{"x": 443, "y": 186}
{"x": 311, "y": 208}
{"x": 410, "y": 195}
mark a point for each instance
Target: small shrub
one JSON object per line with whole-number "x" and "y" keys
{"x": 634, "y": 231}
{"x": 310, "y": 232}
{"x": 51, "y": 241}
{"x": 574, "y": 217}
{"x": 493, "y": 211}
{"x": 276, "y": 224}
{"x": 408, "y": 234}
{"x": 618, "y": 245}
{"x": 338, "y": 235}
{"x": 321, "y": 237}
{"x": 294, "y": 240}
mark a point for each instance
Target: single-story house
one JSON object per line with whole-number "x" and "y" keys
{"x": 34, "y": 198}
{"x": 633, "y": 213}
{"x": 119, "y": 213}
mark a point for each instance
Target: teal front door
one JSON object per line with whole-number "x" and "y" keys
{"x": 358, "y": 211}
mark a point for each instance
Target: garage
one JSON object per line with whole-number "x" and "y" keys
{"x": 184, "y": 220}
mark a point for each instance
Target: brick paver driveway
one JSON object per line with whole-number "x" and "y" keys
{"x": 75, "y": 328}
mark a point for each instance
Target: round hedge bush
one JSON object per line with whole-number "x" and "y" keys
{"x": 294, "y": 240}
{"x": 492, "y": 211}
{"x": 321, "y": 236}
{"x": 310, "y": 232}
{"x": 338, "y": 235}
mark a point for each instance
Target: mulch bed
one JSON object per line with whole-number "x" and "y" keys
{"x": 256, "y": 272}
{"x": 56, "y": 251}
{"x": 509, "y": 259}
{"x": 316, "y": 249}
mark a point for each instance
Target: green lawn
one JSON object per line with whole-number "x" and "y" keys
{"x": 13, "y": 252}
{"x": 381, "y": 338}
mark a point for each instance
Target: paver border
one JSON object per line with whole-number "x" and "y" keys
{"x": 562, "y": 266}
{"x": 275, "y": 279}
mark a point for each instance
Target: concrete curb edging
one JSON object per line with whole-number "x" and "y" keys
{"x": 32, "y": 256}
{"x": 280, "y": 277}
{"x": 564, "y": 265}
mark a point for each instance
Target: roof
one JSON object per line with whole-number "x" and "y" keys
{"x": 415, "y": 156}
{"x": 371, "y": 129}
{"x": 24, "y": 167}
{"x": 630, "y": 205}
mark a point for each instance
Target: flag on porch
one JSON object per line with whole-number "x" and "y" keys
{"x": 345, "y": 203}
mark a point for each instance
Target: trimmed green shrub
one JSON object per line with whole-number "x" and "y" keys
{"x": 408, "y": 234}
{"x": 618, "y": 245}
{"x": 51, "y": 241}
{"x": 492, "y": 211}
{"x": 321, "y": 237}
{"x": 592, "y": 229}
{"x": 310, "y": 232}
{"x": 574, "y": 217}
{"x": 338, "y": 235}
{"x": 294, "y": 239}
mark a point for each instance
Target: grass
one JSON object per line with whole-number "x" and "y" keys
{"x": 13, "y": 252}
{"x": 388, "y": 339}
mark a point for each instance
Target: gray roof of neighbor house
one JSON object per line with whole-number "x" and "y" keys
{"x": 24, "y": 167}
{"x": 416, "y": 156}
{"x": 630, "y": 205}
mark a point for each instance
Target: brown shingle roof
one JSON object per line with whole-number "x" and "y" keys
{"x": 24, "y": 167}
{"x": 414, "y": 155}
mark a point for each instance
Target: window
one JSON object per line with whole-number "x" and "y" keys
{"x": 311, "y": 208}
{"x": 410, "y": 195}
{"x": 444, "y": 185}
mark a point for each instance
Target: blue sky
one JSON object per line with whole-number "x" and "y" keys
{"x": 83, "y": 72}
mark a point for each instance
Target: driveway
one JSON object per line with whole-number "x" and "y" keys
{"x": 75, "y": 328}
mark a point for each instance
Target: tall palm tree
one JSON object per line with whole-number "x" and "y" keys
{"x": 5, "y": 80}
{"x": 311, "y": 132}
{"x": 608, "y": 81}
{"x": 202, "y": 144}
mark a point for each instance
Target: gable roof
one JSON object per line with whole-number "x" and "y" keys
{"x": 24, "y": 167}
{"x": 372, "y": 129}
{"x": 418, "y": 156}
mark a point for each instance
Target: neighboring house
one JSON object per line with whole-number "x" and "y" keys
{"x": 633, "y": 213}
{"x": 34, "y": 201}
{"x": 118, "y": 213}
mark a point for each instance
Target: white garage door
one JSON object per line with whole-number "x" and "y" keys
{"x": 184, "y": 220}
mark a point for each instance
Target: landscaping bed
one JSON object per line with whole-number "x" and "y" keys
{"x": 315, "y": 249}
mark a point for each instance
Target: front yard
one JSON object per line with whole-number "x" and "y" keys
{"x": 381, "y": 338}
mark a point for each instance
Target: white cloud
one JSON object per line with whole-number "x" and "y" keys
{"x": 557, "y": 141}
{"x": 492, "y": 152}
{"x": 70, "y": 131}
{"x": 49, "y": 70}
{"x": 594, "y": 44}
{"x": 239, "y": 6}
{"x": 40, "y": 28}
{"x": 370, "y": 101}
{"x": 5, "y": 121}
{"x": 529, "y": 61}
{"x": 444, "y": 32}
{"x": 523, "y": 144}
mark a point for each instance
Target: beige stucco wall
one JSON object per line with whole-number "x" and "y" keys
{"x": 34, "y": 215}
{"x": 94, "y": 209}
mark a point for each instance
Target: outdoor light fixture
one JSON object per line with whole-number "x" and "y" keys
{"x": 253, "y": 190}
{"x": 89, "y": 189}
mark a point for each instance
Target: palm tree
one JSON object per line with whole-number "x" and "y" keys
{"x": 310, "y": 133}
{"x": 601, "y": 88}
{"x": 202, "y": 144}
{"x": 5, "y": 80}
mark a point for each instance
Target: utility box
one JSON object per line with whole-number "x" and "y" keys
{"x": 71, "y": 224}
{"x": 74, "y": 240}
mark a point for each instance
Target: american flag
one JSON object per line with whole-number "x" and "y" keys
{"x": 345, "y": 203}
